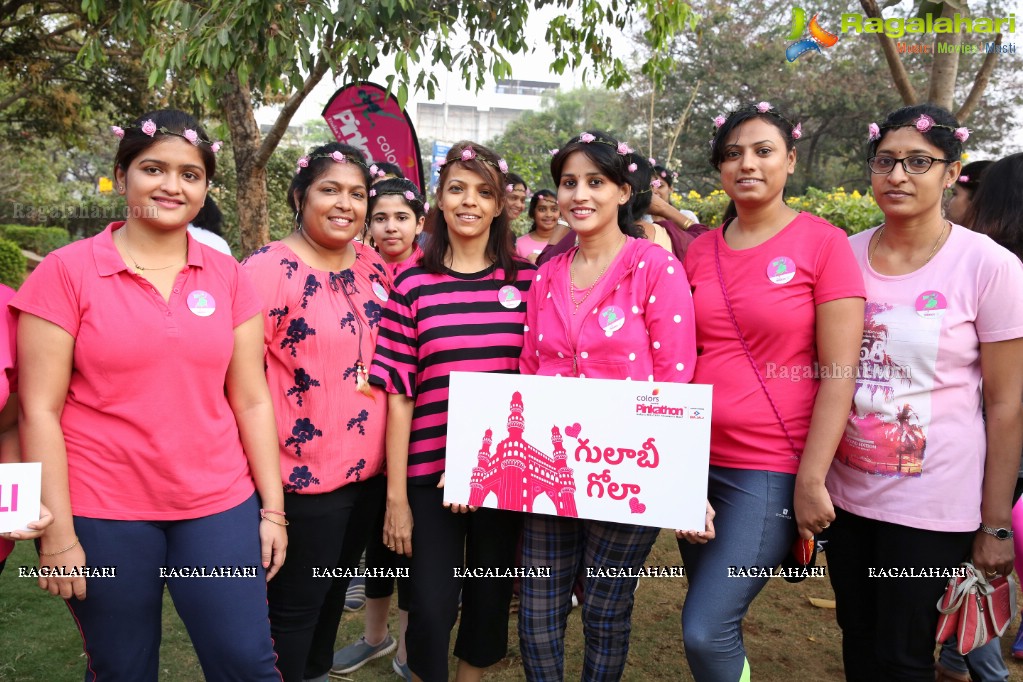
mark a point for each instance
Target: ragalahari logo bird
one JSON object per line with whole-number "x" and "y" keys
{"x": 818, "y": 36}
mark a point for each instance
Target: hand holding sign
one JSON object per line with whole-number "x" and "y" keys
{"x": 33, "y": 529}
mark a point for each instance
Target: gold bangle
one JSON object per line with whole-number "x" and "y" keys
{"x": 276, "y": 523}
{"x": 61, "y": 551}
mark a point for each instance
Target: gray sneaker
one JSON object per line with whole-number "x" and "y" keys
{"x": 401, "y": 670}
{"x": 354, "y": 656}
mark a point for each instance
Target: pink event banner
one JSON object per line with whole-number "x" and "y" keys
{"x": 625, "y": 451}
{"x": 366, "y": 117}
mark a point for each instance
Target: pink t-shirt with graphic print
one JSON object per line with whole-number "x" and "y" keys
{"x": 774, "y": 288}
{"x": 913, "y": 451}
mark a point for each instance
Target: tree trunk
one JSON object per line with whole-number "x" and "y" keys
{"x": 251, "y": 195}
{"x": 945, "y": 66}
{"x": 900, "y": 77}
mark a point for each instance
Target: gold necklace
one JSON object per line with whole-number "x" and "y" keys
{"x": 124, "y": 243}
{"x": 571, "y": 278}
{"x": 934, "y": 249}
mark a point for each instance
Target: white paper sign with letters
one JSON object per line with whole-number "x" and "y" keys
{"x": 20, "y": 490}
{"x": 626, "y": 451}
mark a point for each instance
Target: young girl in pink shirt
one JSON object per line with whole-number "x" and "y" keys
{"x": 615, "y": 307}
{"x": 143, "y": 395}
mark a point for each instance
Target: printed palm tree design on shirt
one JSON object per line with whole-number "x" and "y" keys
{"x": 357, "y": 422}
{"x": 303, "y": 382}
{"x": 357, "y": 470}
{"x": 290, "y": 268}
{"x": 312, "y": 285}
{"x": 298, "y": 330}
{"x": 303, "y": 432}
{"x": 373, "y": 312}
{"x": 877, "y": 369}
{"x": 300, "y": 478}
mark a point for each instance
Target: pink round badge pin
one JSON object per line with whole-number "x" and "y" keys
{"x": 509, "y": 296}
{"x": 380, "y": 291}
{"x": 201, "y": 303}
{"x": 931, "y": 304}
{"x": 781, "y": 270}
{"x": 611, "y": 319}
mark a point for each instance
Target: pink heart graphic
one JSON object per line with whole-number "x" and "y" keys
{"x": 636, "y": 506}
{"x": 573, "y": 430}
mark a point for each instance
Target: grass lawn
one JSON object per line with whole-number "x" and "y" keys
{"x": 786, "y": 637}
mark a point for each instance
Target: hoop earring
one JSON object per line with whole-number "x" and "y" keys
{"x": 298, "y": 220}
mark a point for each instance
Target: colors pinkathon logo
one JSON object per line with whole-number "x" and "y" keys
{"x": 818, "y": 36}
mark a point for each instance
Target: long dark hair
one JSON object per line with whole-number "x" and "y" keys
{"x": 486, "y": 164}
{"x": 997, "y": 207}
{"x": 602, "y": 150}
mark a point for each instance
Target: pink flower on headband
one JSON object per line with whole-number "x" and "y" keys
{"x": 149, "y": 128}
{"x": 586, "y": 138}
{"x": 653, "y": 161}
{"x": 873, "y": 132}
{"x": 215, "y": 147}
{"x": 624, "y": 149}
{"x": 763, "y": 107}
{"x": 426, "y": 206}
{"x": 381, "y": 174}
{"x": 797, "y": 132}
{"x": 553, "y": 152}
{"x": 372, "y": 192}
{"x": 117, "y": 130}
{"x": 924, "y": 123}
{"x": 468, "y": 154}
{"x": 502, "y": 165}
{"x": 964, "y": 178}
{"x": 339, "y": 157}
{"x": 632, "y": 167}
{"x": 655, "y": 182}
{"x": 962, "y": 134}
{"x": 409, "y": 195}
{"x": 664, "y": 174}
{"x": 719, "y": 121}
{"x": 191, "y": 136}
{"x": 440, "y": 164}
{"x": 303, "y": 162}
{"x": 509, "y": 188}
{"x": 373, "y": 169}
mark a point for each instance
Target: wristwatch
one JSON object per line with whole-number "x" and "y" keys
{"x": 1000, "y": 533}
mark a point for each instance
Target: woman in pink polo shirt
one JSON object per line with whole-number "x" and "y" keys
{"x": 323, "y": 294}
{"x": 143, "y": 395}
{"x": 779, "y": 311}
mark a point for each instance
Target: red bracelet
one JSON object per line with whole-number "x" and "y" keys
{"x": 271, "y": 511}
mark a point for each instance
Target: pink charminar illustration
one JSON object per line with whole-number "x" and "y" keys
{"x": 518, "y": 472}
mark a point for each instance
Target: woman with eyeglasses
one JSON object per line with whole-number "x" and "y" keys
{"x": 920, "y": 479}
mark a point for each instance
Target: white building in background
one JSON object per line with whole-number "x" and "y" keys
{"x": 479, "y": 116}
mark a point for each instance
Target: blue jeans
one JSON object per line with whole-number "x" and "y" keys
{"x": 226, "y": 617}
{"x": 756, "y": 527}
{"x": 985, "y": 663}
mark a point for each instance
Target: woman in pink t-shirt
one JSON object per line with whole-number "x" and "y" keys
{"x": 143, "y": 395}
{"x": 921, "y": 479}
{"x": 323, "y": 294}
{"x": 779, "y": 310}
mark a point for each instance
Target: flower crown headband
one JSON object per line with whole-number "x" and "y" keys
{"x": 923, "y": 123}
{"x": 763, "y": 108}
{"x": 407, "y": 194}
{"x": 337, "y": 157}
{"x": 621, "y": 148}
{"x": 469, "y": 153}
{"x": 149, "y": 128}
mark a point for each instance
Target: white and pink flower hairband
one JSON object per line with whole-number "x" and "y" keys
{"x": 406, "y": 194}
{"x": 621, "y": 148}
{"x": 336, "y": 157}
{"x": 763, "y": 108}
{"x": 149, "y": 128}
{"x": 469, "y": 153}
{"x": 923, "y": 123}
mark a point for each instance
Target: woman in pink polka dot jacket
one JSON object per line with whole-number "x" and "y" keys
{"x": 615, "y": 307}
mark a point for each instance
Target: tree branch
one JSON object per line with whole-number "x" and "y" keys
{"x": 980, "y": 82}
{"x": 681, "y": 122}
{"x": 280, "y": 126}
{"x": 899, "y": 75}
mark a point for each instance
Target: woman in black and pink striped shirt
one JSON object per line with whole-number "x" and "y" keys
{"x": 461, "y": 308}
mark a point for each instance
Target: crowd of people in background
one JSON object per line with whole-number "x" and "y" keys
{"x": 289, "y": 413}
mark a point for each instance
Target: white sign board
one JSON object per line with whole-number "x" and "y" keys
{"x": 20, "y": 490}
{"x": 625, "y": 451}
